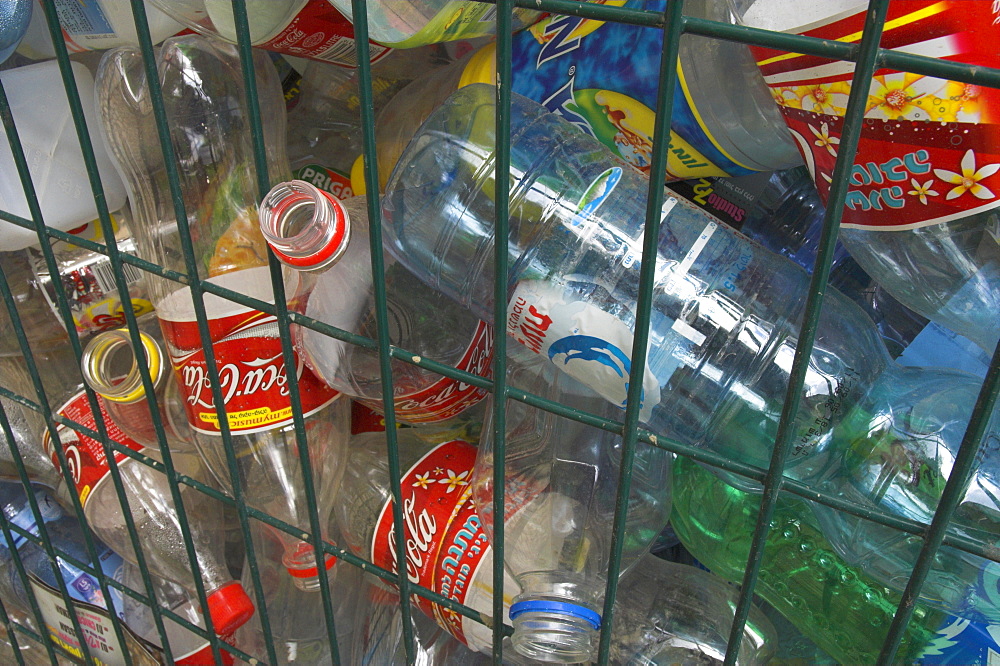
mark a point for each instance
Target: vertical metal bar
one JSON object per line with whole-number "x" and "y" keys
{"x": 360, "y": 18}
{"x": 501, "y": 225}
{"x": 853, "y": 119}
{"x": 288, "y": 355}
{"x": 673, "y": 25}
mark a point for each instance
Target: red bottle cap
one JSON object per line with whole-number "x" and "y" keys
{"x": 204, "y": 657}
{"x": 230, "y": 608}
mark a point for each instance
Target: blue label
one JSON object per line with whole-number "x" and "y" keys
{"x": 84, "y": 587}
{"x": 963, "y": 642}
{"x": 83, "y": 18}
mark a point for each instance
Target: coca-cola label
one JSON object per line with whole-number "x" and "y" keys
{"x": 930, "y": 148}
{"x": 85, "y": 455}
{"x": 252, "y": 375}
{"x": 447, "y": 397}
{"x": 444, "y": 539}
{"x": 320, "y": 32}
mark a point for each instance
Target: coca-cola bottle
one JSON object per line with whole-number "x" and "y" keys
{"x": 205, "y": 100}
{"x": 326, "y": 242}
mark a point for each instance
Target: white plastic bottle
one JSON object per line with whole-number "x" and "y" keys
{"x": 55, "y": 160}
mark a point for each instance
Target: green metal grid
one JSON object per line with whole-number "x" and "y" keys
{"x": 868, "y": 57}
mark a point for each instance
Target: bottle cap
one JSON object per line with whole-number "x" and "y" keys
{"x": 556, "y": 607}
{"x": 482, "y": 67}
{"x": 358, "y": 176}
{"x": 230, "y": 608}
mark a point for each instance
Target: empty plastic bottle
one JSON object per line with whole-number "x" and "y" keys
{"x": 205, "y": 97}
{"x": 921, "y": 209}
{"x": 27, "y": 427}
{"x": 561, "y": 482}
{"x": 327, "y": 243}
{"x": 404, "y": 25}
{"x": 723, "y": 323}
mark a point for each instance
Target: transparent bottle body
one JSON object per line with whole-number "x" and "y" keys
{"x": 723, "y": 321}
{"x": 560, "y": 488}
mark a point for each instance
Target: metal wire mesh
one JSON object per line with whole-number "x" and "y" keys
{"x": 866, "y": 54}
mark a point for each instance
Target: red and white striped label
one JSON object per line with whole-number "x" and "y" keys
{"x": 930, "y": 148}
{"x": 320, "y": 32}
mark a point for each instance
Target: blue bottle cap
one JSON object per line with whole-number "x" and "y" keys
{"x": 560, "y": 607}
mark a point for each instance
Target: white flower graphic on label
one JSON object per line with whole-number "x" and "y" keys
{"x": 968, "y": 180}
{"x": 823, "y": 138}
{"x": 422, "y": 481}
{"x": 922, "y": 191}
{"x": 455, "y": 480}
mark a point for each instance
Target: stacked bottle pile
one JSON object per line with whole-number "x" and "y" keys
{"x": 248, "y": 406}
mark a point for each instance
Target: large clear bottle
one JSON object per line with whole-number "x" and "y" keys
{"x": 724, "y": 316}
{"x": 205, "y": 102}
{"x": 561, "y": 482}
{"x": 326, "y": 243}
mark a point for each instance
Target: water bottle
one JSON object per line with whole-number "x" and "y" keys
{"x": 723, "y": 319}
{"x": 326, "y": 242}
{"x": 838, "y": 606}
{"x": 55, "y": 160}
{"x": 204, "y": 94}
{"x": 405, "y": 25}
{"x": 669, "y": 613}
{"x": 920, "y": 214}
{"x": 302, "y": 28}
{"x": 14, "y": 19}
{"x": 561, "y": 482}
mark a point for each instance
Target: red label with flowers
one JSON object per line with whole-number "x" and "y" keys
{"x": 251, "y": 370}
{"x": 447, "y": 398}
{"x": 445, "y": 540}
{"x": 85, "y": 455}
{"x": 930, "y": 148}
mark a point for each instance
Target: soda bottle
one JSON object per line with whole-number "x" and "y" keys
{"x": 205, "y": 98}
{"x": 27, "y": 426}
{"x": 404, "y": 25}
{"x": 326, "y": 242}
{"x": 724, "y": 316}
{"x": 920, "y": 214}
{"x": 302, "y": 28}
{"x": 14, "y": 19}
{"x": 561, "y": 482}
{"x": 840, "y": 607}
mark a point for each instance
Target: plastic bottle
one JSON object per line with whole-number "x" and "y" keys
{"x": 55, "y": 161}
{"x": 667, "y": 613}
{"x": 204, "y": 94}
{"x": 301, "y": 28}
{"x": 559, "y": 506}
{"x": 446, "y": 547}
{"x": 14, "y": 19}
{"x": 723, "y": 321}
{"x": 404, "y": 25}
{"x": 921, "y": 212}
{"x": 27, "y": 426}
{"x": 840, "y": 607}
{"x": 92, "y": 25}
{"x": 326, "y": 242}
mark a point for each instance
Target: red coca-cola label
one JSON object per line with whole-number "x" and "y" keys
{"x": 445, "y": 540}
{"x": 320, "y": 32}
{"x": 85, "y": 455}
{"x": 251, "y": 370}
{"x": 447, "y": 397}
{"x": 930, "y": 148}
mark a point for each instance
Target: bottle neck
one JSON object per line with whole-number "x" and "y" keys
{"x": 111, "y": 367}
{"x": 306, "y": 228}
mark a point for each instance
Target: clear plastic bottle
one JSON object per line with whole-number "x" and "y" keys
{"x": 921, "y": 213}
{"x": 838, "y": 606}
{"x": 561, "y": 482}
{"x": 55, "y": 160}
{"x": 204, "y": 94}
{"x": 668, "y": 613}
{"x": 326, "y": 242}
{"x": 14, "y": 19}
{"x": 27, "y": 426}
{"x": 404, "y": 25}
{"x": 723, "y": 323}
{"x": 302, "y": 28}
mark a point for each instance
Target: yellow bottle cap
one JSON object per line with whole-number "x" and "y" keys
{"x": 482, "y": 67}
{"x": 358, "y": 177}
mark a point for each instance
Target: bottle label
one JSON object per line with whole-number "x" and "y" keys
{"x": 447, "y": 397}
{"x": 589, "y": 344}
{"x": 320, "y": 32}
{"x": 251, "y": 371}
{"x": 84, "y": 454}
{"x": 335, "y": 183}
{"x": 82, "y": 22}
{"x": 457, "y": 20}
{"x": 25, "y": 519}
{"x": 929, "y": 150}
{"x": 445, "y": 541}
{"x": 961, "y": 642}
{"x": 602, "y": 77}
